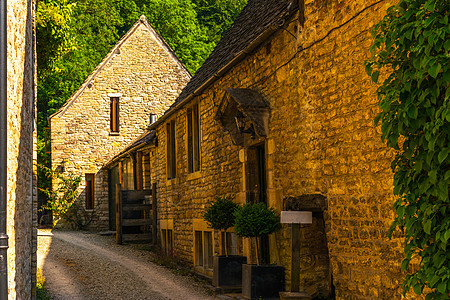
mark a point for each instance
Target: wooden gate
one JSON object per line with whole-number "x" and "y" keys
{"x": 135, "y": 219}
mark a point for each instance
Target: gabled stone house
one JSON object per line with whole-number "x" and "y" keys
{"x": 292, "y": 72}
{"x": 20, "y": 136}
{"x": 141, "y": 76}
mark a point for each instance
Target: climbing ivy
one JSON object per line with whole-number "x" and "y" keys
{"x": 411, "y": 51}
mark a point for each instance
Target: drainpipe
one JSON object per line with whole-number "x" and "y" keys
{"x": 3, "y": 151}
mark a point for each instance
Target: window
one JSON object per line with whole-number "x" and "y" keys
{"x": 199, "y": 248}
{"x": 167, "y": 241}
{"x": 127, "y": 174}
{"x": 114, "y": 118}
{"x": 204, "y": 249}
{"x": 232, "y": 243}
{"x": 171, "y": 153}
{"x": 167, "y": 236}
{"x": 89, "y": 190}
{"x": 193, "y": 136}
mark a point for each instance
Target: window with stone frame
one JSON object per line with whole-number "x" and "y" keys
{"x": 193, "y": 138}
{"x": 231, "y": 242}
{"x": 89, "y": 190}
{"x": 203, "y": 249}
{"x": 167, "y": 241}
{"x": 171, "y": 150}
{"x": 114, "y": 114}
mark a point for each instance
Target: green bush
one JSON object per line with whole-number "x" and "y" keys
{"x": 220, "y": 214}
{"x": 63, "y": 199}
{"x": 254, "y": 220}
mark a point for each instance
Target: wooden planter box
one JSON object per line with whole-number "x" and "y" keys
{"x": 264, "y": 281}
{"x": 227, "y": 271}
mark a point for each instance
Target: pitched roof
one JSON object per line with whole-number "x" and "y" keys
{"x": 142, "y": 21}
{"x": 149, "y": 137}
{"x": 255, "y": 20}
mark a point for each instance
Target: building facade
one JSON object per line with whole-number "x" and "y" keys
{"x": 21, "y": 151}
{"x": 140, "y": 76}
{"x": 294, "y": 76}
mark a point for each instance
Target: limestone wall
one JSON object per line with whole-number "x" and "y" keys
{"x": 21, "y": 184}
{"x": 321, "y": 140}
{"x": 147, "y": 77}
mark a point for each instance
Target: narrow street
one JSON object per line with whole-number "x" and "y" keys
{"x": 79, "y": 265}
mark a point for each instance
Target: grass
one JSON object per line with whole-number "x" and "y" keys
{"x": 41, "y": 292}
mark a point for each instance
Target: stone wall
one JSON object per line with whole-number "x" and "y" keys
{"x": 322, "y": 140}
{"x": 21, "y": 184}
{"x": 147, "y": 76}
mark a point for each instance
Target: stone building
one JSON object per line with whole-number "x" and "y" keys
{"x": 293, "y": 72}
{"x": 21, "y": 152}
{"x": 139, "y": 77}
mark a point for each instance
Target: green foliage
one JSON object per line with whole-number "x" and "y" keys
{"x": 62, "y": 200}
{"x": 74, "y": 36}
{"x": 256, "y": 219}
{"x": 411, "y": 44}
{"x": 217, "y": 15}
{"x": 41, "y": 291}
{"x": 220, "y": 214}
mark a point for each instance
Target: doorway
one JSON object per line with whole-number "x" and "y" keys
{"x": 257, "y": 188}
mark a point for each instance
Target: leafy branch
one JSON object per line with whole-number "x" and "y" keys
{"x": 411, "y": 50}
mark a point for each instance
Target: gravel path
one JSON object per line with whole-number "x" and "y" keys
{"x": 79, "y": 265}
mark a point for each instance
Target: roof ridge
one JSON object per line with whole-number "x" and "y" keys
{"x": 141, "y": 21}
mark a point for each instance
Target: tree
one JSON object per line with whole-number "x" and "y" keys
{"x": 254, "y": 220}
{"x": 411, "y": 46}
{"x": 220, "y": 215}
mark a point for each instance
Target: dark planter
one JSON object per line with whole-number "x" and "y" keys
{"x": 264, "y": 281}
{"x": 227, "y": 271}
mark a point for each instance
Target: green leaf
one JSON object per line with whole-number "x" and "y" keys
{"x": 375, "y": 76}
{"x": 443, "y": 155}
{"x": 418, "y": 288}
{"x": 442, "y": 287}
{"x": 447, "y": 45}
{"x": 369, "y": 68}
{"x": 412, "y": 112}
{"x": 427, "y": 227}
{"x": 434, "y": 70}
{"x": 434, "y": 280}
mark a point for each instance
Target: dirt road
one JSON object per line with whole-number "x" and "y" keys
{"x": 78, "y": 265}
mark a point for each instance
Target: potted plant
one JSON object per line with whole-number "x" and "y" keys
{"x": 259, "y": 281}
{"x": 227, "y": 269}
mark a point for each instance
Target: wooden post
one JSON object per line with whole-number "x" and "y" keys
{"x": 118, "y": 214}
{"x": 155, "y": 216}
{"x": 295, "y": 261}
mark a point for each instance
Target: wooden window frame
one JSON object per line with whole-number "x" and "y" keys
{"x": 193, "y": 137}
{"x": 171, "y": 161}
{"x": 89, "y": 190}
{"x": 114, "y": 114}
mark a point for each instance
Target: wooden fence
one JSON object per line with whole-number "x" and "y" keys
{"x": 135, "y": 215}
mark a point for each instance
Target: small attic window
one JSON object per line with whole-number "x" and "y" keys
{"x": 114, "y": 119}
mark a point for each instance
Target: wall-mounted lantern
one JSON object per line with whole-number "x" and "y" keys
{"x": 240, "y": 123}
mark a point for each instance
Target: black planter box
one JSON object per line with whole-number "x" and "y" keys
{"x": 264, "y": 281}
{"x": 227, "y": 271}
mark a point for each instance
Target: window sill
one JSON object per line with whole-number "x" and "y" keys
{"x": 193, "y": 176}
{"x": 114, "y": 133}
{"x": 172, "y": 181}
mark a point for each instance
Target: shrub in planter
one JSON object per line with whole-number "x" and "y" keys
{"x": 254, "y": 220}
{"x": 227, "y": 270}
